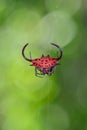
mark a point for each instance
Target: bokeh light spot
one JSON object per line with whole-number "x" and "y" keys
{"x": 70, "y": 6}
{"x": 53, "y": 117}
{"x": 23, "y": 20}
{"x": 56, "y": 27}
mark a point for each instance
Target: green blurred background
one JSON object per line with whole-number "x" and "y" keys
{"x": 57, "y": 102}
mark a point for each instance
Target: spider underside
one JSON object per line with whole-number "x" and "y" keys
{"x": 49, "y": 71}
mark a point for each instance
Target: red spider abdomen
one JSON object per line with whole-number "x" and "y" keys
{"x": 44, "y": 62}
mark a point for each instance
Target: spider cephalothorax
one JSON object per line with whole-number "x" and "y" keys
{"x": 45, "y": 64}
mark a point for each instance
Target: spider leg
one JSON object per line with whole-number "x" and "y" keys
{"x": 37, "y": 74}
{"x": 57, "y": 53}
{"x": 39, "y": 71}
{"x": 30, "y": 56}
{"x": 30, "y": 59}
{"x": 52, "y": 71}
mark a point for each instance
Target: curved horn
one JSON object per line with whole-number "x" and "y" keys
{"x": 24, "y": 54}
{"x": 60, "y": 49}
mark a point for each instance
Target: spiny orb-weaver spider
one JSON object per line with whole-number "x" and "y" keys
{"x": 44, "y": 64}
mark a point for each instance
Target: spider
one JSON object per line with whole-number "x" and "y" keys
{"x": 45, "y": 64}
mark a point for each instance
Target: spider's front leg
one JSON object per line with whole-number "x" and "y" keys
{"x": 51, "y": 71}
{"x": 36, "y": 73}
